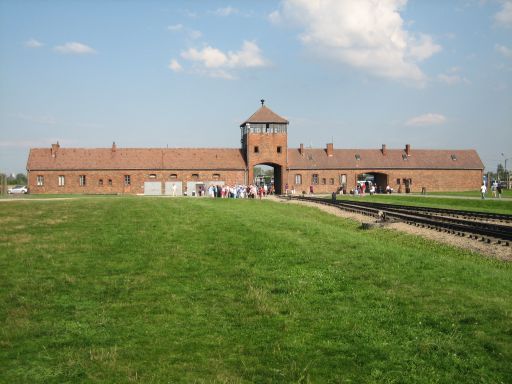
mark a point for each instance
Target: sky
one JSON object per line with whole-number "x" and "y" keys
{"x": 436, "y": 74}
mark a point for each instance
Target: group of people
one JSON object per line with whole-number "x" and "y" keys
{"x": 238, "y": 191}
{"x": 370, "y": 188}
{"x": 496, "y": 190}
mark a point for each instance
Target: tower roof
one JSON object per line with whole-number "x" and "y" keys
{"x": 265, "y": 115}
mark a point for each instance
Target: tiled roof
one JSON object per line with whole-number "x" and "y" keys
{"x": 135, "y": 158}
{"x": 314, "y": 158}
{"x": 265, "y": 115}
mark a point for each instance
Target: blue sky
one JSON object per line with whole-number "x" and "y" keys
{"x": 435, "y": 74}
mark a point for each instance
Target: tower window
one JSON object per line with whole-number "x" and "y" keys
{"x": 256, "y": 149}
{"x": 358, "y": 156}
{"x": 62, "y": 180}
{"x": 127, "y": 180}
{"x": 279, "y": 148}
{"x": 82, "y": 180}
{"x": 40, "y": 181}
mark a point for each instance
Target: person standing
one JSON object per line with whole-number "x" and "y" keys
{"x": 498, "y": 189}
{"x": 483, "y": 190}
{"x": 494, "y": 187}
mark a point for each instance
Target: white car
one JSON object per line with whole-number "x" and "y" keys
{"x": 18, "y": 189}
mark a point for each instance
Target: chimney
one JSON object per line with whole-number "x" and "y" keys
{"x": 55, "y": 147}
{"x": 301, "y": 150}
{"x": 384, "y": 149}
{"x": 408, "y": 149}
{"x": 330, "y": 149}
{"x": 114, "y": 146}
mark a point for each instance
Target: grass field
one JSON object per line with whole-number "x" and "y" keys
{"x": 488, "y": 205}
{"x": 196, "y": 290}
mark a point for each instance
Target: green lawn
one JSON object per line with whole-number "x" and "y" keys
{"x": 488, "y": 205}
{"x": 156, "y": 290}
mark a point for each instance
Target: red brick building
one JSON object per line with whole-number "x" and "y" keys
{"x": 264, "y": 139}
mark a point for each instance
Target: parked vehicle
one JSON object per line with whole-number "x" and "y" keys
{"x": 18, "y": 189}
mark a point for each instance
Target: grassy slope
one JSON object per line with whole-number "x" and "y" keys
{"x": 497, "y": 206}
{"x": 184, "y": 290}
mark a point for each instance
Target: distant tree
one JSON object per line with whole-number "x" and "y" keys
{"x": 500, "y": 172}
{"x": 21, "y": 178}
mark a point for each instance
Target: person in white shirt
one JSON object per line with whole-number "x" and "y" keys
{"x": 483, "y": 189}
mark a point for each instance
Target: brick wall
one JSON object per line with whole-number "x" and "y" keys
{"x": 267, "y": 144}
{"x": 137, "y": 179}
{"x": 432, "y": 180}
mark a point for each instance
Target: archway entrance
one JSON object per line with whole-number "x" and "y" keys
{"x": 380, "y": 180}
{"x": 269, "y": 174}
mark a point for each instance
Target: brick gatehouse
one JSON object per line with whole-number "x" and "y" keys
{"x": 264, "y": 140}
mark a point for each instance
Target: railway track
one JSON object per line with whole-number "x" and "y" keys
{"x": 476, "y": 225}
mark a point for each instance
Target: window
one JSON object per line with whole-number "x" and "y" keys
{"x": 279, "y": 149}
{"x": 127, "y": 180}
{"x": 256, "y": 149}
{"x": 100, "y": 182}
{"x": 110, "y": 182}
{"x": 173, "y": 176}
{"x": 358, "y": 156}
{"x": 152, "y": 175}
{"x": 343, "y": 179}
{"x": 298, "y": 179}
{"x": 398, "y": 181}
{"x": 454, "y": 157}
{"x": 216, "y": 176}
{"x": 82, "y": 180}
{"x": 331, "y": 181}
{"x": 314, "y": 178}
{"x": 324, "y": 180}
{"x": 195, "y": 176}
{"x": 62, "y": 180}
{"x": 267, "y": 128}
{"x": 40, "y": 181}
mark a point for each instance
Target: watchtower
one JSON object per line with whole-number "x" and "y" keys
{"x": 265, "y": 141}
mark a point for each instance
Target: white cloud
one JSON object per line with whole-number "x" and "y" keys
{"x": 504, "y": 16}
{"x": 175, "y": 27}
{"x": 192, "y": 33}
{"x": 453, "y": 77}
{"x": 505, "y": 51}
{"x": 215, "y": 63}
{"x": 426, "y": 119}
{"x": 226, "y": 11}
{"x": 33, "y": 43}
{"x": 74, "y": 48}
{"x": 365, "y": 34}
{"x": 175, "y": 66}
